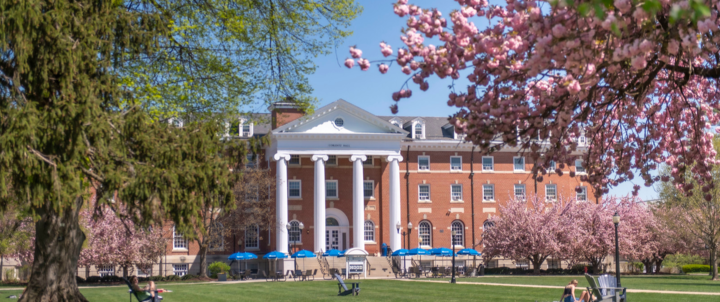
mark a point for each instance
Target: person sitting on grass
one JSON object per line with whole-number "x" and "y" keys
{"x": 569, "y": 294}
{"x": 144, "y": 292}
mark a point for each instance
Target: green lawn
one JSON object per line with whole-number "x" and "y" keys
{"x": 372, "y": 290}
{"x": 692, "y": 283}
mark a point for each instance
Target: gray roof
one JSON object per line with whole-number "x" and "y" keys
{"x": 436, "y": 128}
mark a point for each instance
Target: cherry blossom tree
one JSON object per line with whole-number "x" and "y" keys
{"x": 630, "y": 78}
{"x": 530, "y": 230}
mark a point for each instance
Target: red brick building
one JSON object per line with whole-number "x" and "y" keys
{"x": 380, "y": 175}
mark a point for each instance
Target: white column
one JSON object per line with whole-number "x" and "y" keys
{"x": 319, "y": 201}
{"x": 281, "y": 203}
{"x": 395, "y": 237}
{"x": 358, "y": 202}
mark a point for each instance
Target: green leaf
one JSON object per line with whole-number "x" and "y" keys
{"x": 599, "y": 11}
{"x": 675, "y": 14}
{"x": 584, "y": 9}
{"x": 615, "y": 29}
{"x": 652, "y": 6}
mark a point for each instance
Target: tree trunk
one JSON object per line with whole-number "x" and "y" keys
{"x": 2, "y": 264}
{"x": 596, "y": 266}
{"x": 658, "y": 265}
{"x": 713, "y": 263}
{"x": 536, "y": 267}
{"x": 58, "y": 241}
{"x": 648, "y": 263}
{"x": 203, "y": 259}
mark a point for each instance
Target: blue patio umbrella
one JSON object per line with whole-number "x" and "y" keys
{"x": 469, "y": 252}
{"x": 400, "y": 252}
{"x": 334, "y": 253}
{"x": 275, "y": 255}
{"x": 303, "y": 254}
{"x": 441, "y": 252}
{"x": 242, "y": 256}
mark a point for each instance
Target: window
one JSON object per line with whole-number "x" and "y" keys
{"x": 368, "y": 161}
{"x": 456, "y": 192}
{"x": 332, "y": 160}
{"x": 339, "y": 122}
{"x": 582, "y": 194}
{"x": 216, "y": 240}
{"x": 331, "y": 189}
{"x": 488, "y": 164}
{"x": 455, "y": 163}
{"x": 519, "y": 163}
{"x": 579, "y": 166}
{"x": 179, "y": 242}
{"x": 550, "y": 192}
{"x": 106, "y": 270}
{"x": 252, "y": 193}
{"x": 487, "y": 225}
{"x": 581, "y": 140}
{"x": 369, "y": 188}
{"x": 294, "y": 189}
{"x": 180, "y": 269}
{"x": 424, "y": 192}
{"x": 295, "y": 235}
{"x": 245, "y": 130}
{"x": 252, "y": 236}
{"x": 552, "y": 166}
{"x": 418, "y": 130}
{"x": 250, "y": 160}
{"x": 489, "y": 192}
{"x": 144, "y": 272}
{"x": 331, "y": 222}
{"x": 554, "y": 263}
{"x": 294, "y": 160}
{"x": 459, "y": 229}
{"x": 423, "y": 163}
{"x": 369, "y": 231}
{"x": 493, "y": 264}
{"x": 519, "y": 192}
{"x": 522, "y": 264}
{"x": 425, "y": 233}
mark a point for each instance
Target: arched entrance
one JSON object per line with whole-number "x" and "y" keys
{"x": 337, "y": 228}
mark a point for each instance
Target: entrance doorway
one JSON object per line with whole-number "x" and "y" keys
{"x": 337, "y": 229}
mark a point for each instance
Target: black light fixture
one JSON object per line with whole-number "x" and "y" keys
{"x": 452, "y": 242}
{"x": 616, "y": 221}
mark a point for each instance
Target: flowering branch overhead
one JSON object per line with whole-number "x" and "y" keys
{"x": 638, "y": 82}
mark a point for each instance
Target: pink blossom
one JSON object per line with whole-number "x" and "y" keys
{"x": 355, "y": 53}
{"x": 383, "y": 68}
{"x": 574, "y": 87}
{"x": 406, "y": 70}
{"x": 364, "y": 64}
{"x": 349, "y": 63}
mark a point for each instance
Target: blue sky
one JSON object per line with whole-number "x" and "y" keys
{"x": 372, "y": 91}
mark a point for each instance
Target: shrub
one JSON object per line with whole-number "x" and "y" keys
{"x": 696, "y": 268}
{"x": 190, "y": 277}
{"x": 679, "y": 260}
{"x": 10, "y": 275}
{"x": 172, "y": 278}
{"x": 156, "y": 278}
{"x": 218, "y": 268}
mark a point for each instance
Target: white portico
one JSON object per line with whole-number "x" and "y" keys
{"x": 346, "y": 132}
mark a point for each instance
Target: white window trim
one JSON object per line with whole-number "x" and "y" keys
{"x": 428, "y": 160}
{"x": 337, "y": 189}
{"x": 294, "y": 243}
{"x": 524, "y": 187}
{"x": 374, "y": 232}
{"x": 422, "y": 124}
{"x": 288, "y": 193}
{"x": 492, "y": 159}
{"x": 551, "y": 169}
{"x": 373, "y": 190}
{"x": 370, "y": 162}
{"x": 461, "y": 194}
{"x": 516, "y": 170}
{"x": 327, "y": 163}
{"x": 257, "y": 239}
{"x": 241, "y": 133}
{"x": 222, "y": 241}
{"x": 461, "y": 163}
{"x": 179, "y": 249}
{"x": 289, "y": 163}
{"x": 580, "y": 161}
{"x": 546, "y": 192}
{"x": 186, "y": 270}
{"x": 429, "y": 200}
{"x": 483, "y": 193}
{"x": 586, "y": 195}
{"x": 462, "y": 228}
{"x": 431, "y": 234}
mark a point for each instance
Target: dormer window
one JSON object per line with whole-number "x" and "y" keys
{"x": 418, "y": 130}
{"x": 245, "y": 128}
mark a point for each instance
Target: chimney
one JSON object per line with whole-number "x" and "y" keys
{"x": 286, "y": 111}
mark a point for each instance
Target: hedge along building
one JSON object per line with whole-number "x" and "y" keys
{"x": 354, "y": 179}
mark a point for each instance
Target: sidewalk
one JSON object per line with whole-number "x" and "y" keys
{"x": 561, "y": 287}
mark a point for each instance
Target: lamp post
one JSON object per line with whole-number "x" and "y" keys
{"x": 301, "y": 226}
{"x": 452, "y": 243}
{"x": 408, "y": 232}
{"x": 616, "y": 221}
{"x": 403, "y": 234}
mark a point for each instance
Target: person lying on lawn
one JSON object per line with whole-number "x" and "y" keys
{"x": 144, "y": 292}
{"x": 569, "y": 294}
